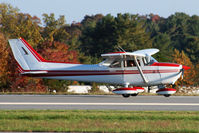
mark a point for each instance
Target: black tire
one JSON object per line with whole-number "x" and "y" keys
{"x": 167, "y": 95}
{"x": 126, "y": 95}
{"x": 134, "y": 95}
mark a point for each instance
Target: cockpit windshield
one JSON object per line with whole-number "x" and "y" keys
{"x": 152, "y": 60}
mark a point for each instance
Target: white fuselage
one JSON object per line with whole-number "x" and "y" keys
{"x": 155, "y": 74}
{"x": 136, "y": 68}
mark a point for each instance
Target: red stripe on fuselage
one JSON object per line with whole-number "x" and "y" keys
{"x": 165, "y": 64}
{"x": 51, "y": 73}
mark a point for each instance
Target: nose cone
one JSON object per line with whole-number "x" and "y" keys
{"x": 185, "y": 67}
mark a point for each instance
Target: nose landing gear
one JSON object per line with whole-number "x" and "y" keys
{"x": 126, "y": 95}
{"x": 166, "y": 91}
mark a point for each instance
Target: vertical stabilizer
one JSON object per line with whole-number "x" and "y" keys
{"x": 26, "y": 57}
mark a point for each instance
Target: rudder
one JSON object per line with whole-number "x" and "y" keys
{"x": 26, "y": 57}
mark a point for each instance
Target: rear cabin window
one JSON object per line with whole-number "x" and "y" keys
{"x": 131, "y": 63}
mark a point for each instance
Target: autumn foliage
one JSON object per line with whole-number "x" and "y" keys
{"x": 10, "y": 78}
{"x": 57, "y": 51}
{"x": 177, "y": 37}
{"x": 4, "y": 55}
{"x": 189, "y": 75}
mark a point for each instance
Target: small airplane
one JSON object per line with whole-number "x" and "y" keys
{"x": 128, "y": 69}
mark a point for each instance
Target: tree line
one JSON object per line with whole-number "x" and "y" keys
{"x": 177, "y": 37}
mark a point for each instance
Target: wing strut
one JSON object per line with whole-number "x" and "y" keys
{"x": 140, "y": 70}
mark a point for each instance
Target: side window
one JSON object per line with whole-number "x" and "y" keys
{"x": 131, "y": 63}
{"x": 148, "y": 61}
{"x": 115, "y": 64}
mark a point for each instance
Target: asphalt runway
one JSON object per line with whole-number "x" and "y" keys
{"x": 99, "y": 102}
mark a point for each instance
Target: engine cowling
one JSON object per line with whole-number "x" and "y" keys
{"x": 166, "y": 91}
{"x": 125, "y": 91}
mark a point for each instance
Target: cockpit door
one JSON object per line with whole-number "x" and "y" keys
{"x": 116, "y": 70}
{"x": 151, "y": 71}
{"x": 133, "y": 71}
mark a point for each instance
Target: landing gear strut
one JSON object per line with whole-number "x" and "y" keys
{"x": 149, "y": 89}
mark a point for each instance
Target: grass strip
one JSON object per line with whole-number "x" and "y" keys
{"x": 98, "y": 121}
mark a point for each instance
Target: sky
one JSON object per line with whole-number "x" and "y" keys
{"x": 75, "y": 10}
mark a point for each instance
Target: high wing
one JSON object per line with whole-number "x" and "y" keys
{"x": 139, "y": 53}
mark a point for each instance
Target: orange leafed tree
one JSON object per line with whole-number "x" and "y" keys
{"x": 10, "y": 79}
{"x": 189, "y": 75}
{"x": 4, "y": 73}
{"x": 57, "y": 51}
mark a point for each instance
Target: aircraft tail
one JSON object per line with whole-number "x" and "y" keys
{"x": 27, "y": 58}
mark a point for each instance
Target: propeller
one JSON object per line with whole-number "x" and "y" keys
{"x": 184, "y": 68}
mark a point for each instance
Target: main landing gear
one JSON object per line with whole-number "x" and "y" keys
{"x": 134, "y": 91}
{"x": 128, "y": 95}
{"x": 167, "y": 95}
{"x": 127, "y": 91}
{"x": 134, "y": 94}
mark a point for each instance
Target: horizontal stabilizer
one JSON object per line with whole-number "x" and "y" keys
{"x": 35, "y": 72}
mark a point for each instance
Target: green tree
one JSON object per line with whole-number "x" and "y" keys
{"x": 125, "y": 30}
{"x": 162, "y": 42}
{"x": 54, "y": 29}
{"x": 7, "y": 18}
{"x": 15, "y": 24}
{"x": 193, "y": 24}
{"x": 192, "y": 47}
{"x": 130, "y": 32}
